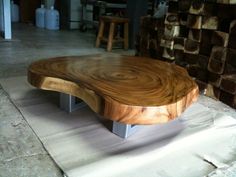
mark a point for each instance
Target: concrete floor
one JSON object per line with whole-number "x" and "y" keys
{"x": 21, "y": 153}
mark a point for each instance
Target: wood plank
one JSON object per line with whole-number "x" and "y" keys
{"x": 131, "y": 90}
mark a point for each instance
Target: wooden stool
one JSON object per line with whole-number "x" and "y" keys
{"x": 113, "y": 21}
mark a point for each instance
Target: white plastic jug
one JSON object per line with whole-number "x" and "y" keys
{"x": 14, "y": 12}
{"x": 40, "y": 16}
{"x": 161, "y": 10}
{"x": 52, "y": 19}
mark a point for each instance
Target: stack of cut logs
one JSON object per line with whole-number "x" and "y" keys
{"x": 151, "y": 31}
{"x": 201, "y": 36}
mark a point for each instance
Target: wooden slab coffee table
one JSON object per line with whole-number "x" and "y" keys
{"x": 127, "y": 90}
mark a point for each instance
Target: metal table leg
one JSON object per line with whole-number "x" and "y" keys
{"x": 70, "y": 103}
{"x": 123, "y": 130}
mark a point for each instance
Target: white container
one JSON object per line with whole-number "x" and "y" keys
{"x": 14, "y": 12}
{"x": 161, "y": 10}
{"x": 40, "y": 16}
{"x": 52, "y": 19}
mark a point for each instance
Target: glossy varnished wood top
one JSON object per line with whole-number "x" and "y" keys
{"x": 131, "y": 90}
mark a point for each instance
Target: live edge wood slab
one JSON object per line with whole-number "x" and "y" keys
{"x": 130, "y": 90}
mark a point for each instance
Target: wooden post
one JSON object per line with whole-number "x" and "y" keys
{"x": 214, "y": 79}
{"x": 203, "y": 61}
{"x": 231, "y": 57}
{"x": 199, "y": 7}
{"x": 179, "y": 43}
{"x": 184, "y": 5}
{"x": 210, "y": 23}
{"x": 171, "y": 30}
{"x": 110, "y": 37}
{"x": 183, "y": 19}
{"x": 126, "y": 36}
{"x": 191, "y": 47}
{"x": 217, "y": 60}
{"x": 206, "y": 46}
{"x": 167, "y": 43}
{"x": 191, "y": 59}
{"x": 100, "y": 33}
{"x": 232, "y": 41}
{"x": 168, "y": 54}
{"x": 220, "y": 38}
{"x": 172, "y": 19}
{"x": 212, "y": 92}
{"x": 195, "y": 35}
{"x": 194, "y": 21}
{"x": 226, "y": 1}
{"x": 228, "y": 99}
{"x": 228, "y": 83}
{"x": 180, "y": 59}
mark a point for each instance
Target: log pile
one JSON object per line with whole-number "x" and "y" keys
{"x": 201, "y": 36}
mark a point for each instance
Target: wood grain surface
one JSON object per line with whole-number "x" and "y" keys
{"x": 131, "y": 90}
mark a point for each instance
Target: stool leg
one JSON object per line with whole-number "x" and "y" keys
{"x": 126, "y": 36}
{"x": 100, "y": 33}
{"x": 111, "y": 35}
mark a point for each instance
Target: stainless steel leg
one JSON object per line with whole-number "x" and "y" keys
{"x": 70, "y": 103}
{"x": 123, "y": 130}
